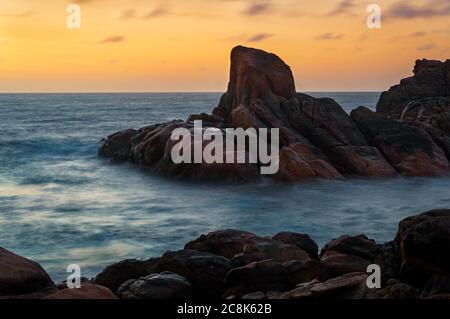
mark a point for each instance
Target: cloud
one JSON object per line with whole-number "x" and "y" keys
{"x": 113, "y": 39}
{"x": 128, "y": 14}
{"x": 407, "y": 10}
{"x": 344, "y": 7}
{"x": 259, "y": 37}
{"x": 426, "y": 47}
{"x": 257, "y": 9}
{"x": 158, "y": 12}
{"x": 24, "y": 14}
{"x": 418, "y": 34}
{"x": 330, "y": 36}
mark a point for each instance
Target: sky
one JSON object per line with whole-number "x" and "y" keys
{"x": 184, "y": 45}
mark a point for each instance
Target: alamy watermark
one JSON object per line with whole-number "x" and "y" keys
{"x": 230, "y": 146}
{"x": 74, "y": 279}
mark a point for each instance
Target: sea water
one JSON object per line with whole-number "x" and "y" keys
{"x": 61, "y": 204}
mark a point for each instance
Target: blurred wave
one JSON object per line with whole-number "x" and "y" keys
{"x": 60, "y": 204}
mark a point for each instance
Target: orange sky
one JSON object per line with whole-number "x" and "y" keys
{"x": 184, "y": 45}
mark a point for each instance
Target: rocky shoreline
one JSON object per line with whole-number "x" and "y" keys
{"x": 409, "y": 134}
{"x": 233, "y": 264}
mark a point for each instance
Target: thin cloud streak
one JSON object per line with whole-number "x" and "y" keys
{"x": 113, "y": 39}
{"x": 329, "y": 36}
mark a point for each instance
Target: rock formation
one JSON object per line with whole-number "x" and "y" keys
{"x": 408, "y": 135}
{"x": 236, "y": 264}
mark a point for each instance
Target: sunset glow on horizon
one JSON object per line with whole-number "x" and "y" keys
{"x": 184, "y": 46}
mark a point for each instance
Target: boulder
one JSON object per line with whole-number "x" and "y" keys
{"x": 166, "y": 285}
{"x": 21, "y": 278}
{"x": 408, "y": 148}
{"x": 226, "y": 243}
{"x": 266, "y": 275}
{"x": 424, "y": 243}
{"x": 205, "y": 271}
{"x": 257, "y": 249}
{"x": 360, "y": 246}
{"x": 329, "y": 127}
{"x": 302, "y": 241}
{"x": 87, "y": 291}
{"x": 430, "y": 79}
{"x": 118, "y": 145}
{"x": 348, "y": 286}
{"x": 304, "y": 271}
{"x": 116, "y": 274}
{"x": 398, "y": 291}
{"x": 390, "y": 261}
{"x": 422, "y": 100}
{"x": 436, "y": 285}
{"x": 259, "y": 295}
{"x": 335, "y": 264}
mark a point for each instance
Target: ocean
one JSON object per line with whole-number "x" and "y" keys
{"x": 61, "y": 204}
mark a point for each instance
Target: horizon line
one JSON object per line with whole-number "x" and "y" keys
{"x": 176, "y": 92}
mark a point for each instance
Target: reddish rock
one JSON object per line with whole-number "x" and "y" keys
{"x": 330, "y": 128}
{"x": 166, "y": 285}
{"x": 360, "y": 246}
{"x": 225, "y": 243}
{"x": 255, "y": 74}
{"x": 118, "y": 145}
{"x": 87, "y": 291}
{"x": 22, "y": 278}
{"x": 304, "y": 271}
{"x": 348, "y": 286}
{"x": 430, "y": 80}
{"x": 262, "y": 276}
{"x": 205, "y": 271}
{"x": 317, "y": 137}
{"x": 257, "y": 248}
{"x": 302, "y": 241}
{"x": 409, "y": 149}
{"x": 335, "y": 264}
{"x": 398, "y": 291}
{"x": 116, "y": 274}
{"x": 424, "y": 242}
{"x": 436, "y": 285}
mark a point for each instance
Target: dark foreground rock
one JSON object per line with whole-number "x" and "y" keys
{"x": 116, "y": 274}
{"x": 424, "y": 242}
{"x": 166, "y": 285}
{"x": 408, "y": 135}
{"x": 286, "y": 266}
{"x": 22, "y": 278}
{"x": 87, "y": 291}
